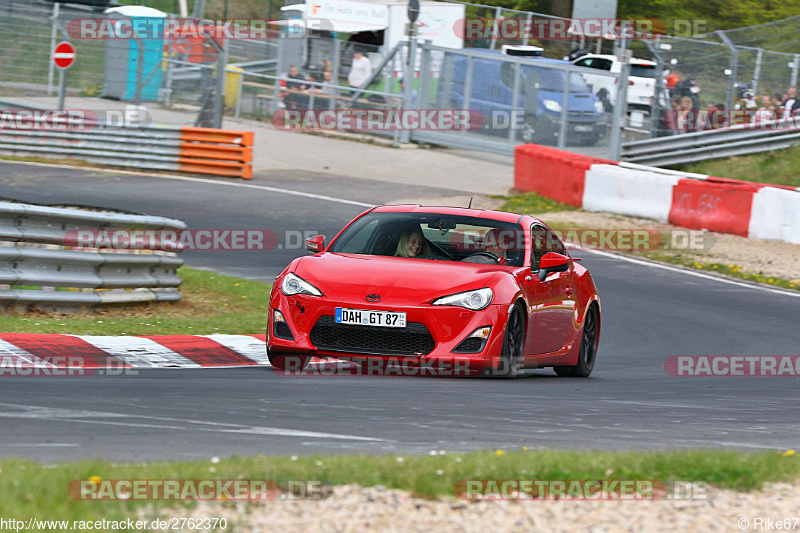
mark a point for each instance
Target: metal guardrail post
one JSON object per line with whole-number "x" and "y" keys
{"x": 239, "y": 95}
{"x": 528, "y": 20}
{"x": 620, "y": 107}
{"x": 515, "y": 97}
{"x": 408, "y": 85}
{"x": 733, "y": 67}
{"x": 496, "y": 27}
{"x": 219, "y": 100}
{"x": 757, "y": 71}
{"x": 661, "y": 90}
{"x": 467, "y": 90}
{"x": 424, "y": 74}
{"x": 564, "y": 122}
{"x": 53, "y": 36}
{"x": 137, "y": 94}
{"x": 795, "y": 66}
{"x": 337, "y": 60}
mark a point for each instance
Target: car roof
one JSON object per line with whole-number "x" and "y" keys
{"x": 500, "y": 216}
{"x": 634, "y": 60}
{"x": 537, "y": 59}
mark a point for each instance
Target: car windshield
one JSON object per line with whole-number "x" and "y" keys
{"x": 553, "y": 80}
{"x": 434, "y": 236}
{"x": 643, "y": 71}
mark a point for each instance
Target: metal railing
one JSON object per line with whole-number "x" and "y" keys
{"x": 736, "y": 140}
{"x": 41, "y": 266}
{"x": 175, "y": 148}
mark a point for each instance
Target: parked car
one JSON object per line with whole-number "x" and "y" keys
{"x": 641, "y": 81}
{"x": 540, "y": 100}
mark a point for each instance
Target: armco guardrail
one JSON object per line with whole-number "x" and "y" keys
{"x": 694, "y": 201}
{"x": 35, "y": 252}
{"x": 186, "y": 149}
{"x": 713, "y": 144}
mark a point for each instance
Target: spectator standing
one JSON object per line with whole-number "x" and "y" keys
{"x": 685, "y": 122}
{"x": 360, "y": 70}
{"x": 791, "y": 104}
{"x": 766, "y": 112}
{"x": 295, "y": 86}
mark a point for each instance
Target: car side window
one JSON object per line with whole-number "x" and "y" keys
{"x": 542, "y": 242}
{"x": 588, "y": 62}
{"x": 602, "y": 64}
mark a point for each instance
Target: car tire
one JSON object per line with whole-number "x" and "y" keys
{"x": 513, "y": 343}
{"x": 588, "y": 350}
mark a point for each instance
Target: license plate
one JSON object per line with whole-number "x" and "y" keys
{"x": 363, "y": 317}
{"x": 644, "y": 99}
{"x": 583, "y": 128}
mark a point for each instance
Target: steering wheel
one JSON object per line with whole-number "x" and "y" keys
{"x": 490, "y": 255}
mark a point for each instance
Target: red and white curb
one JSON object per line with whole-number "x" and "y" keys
{"x": 150, "y": 351}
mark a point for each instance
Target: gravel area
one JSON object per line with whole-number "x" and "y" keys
{"x": 355, "y": 509}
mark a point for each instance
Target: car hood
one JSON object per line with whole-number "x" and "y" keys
{"x": 577, "y": 101}
{"x": 398, "y": 280}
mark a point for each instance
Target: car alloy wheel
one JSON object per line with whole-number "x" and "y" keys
{"x": 588, "y": 349}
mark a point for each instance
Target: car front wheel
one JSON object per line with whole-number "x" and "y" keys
{"x": 513, "y": 343}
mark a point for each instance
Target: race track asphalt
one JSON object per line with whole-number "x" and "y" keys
{"x": 649, "y": 314}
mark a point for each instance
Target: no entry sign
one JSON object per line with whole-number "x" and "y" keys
{"x": 64, "y": 55}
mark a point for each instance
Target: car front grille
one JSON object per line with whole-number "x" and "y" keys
{"x": 414, "y": 339}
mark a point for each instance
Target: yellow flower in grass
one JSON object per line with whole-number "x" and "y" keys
{"x": 788, "y": 453}
{"x": 499, "y": 453}
{"x": 95, "y": 479}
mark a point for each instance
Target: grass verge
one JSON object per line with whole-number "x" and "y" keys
{"x": 32, "y": 489}
{"x": 780, "y": 167}
{"x": 530, "y": 202}
{"x": 212, "y": 303}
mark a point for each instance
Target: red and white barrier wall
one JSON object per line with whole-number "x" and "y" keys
{"x": 694, "y": 201}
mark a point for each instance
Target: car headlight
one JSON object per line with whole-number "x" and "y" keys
{"x": 475, "y": 300}
{"x": 292, "y": 285}
{"x": 598, "y": 107}
{"x": 552, "y": 105}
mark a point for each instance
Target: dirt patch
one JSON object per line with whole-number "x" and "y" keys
{"x": 352, "y": 508}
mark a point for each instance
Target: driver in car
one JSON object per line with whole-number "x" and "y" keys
{"x": 413, "y": 244}
{"x": 498, "y": 242}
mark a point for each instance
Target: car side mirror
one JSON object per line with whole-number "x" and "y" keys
{"x": 552, "y": 262}
{"x": 316, "y": 243}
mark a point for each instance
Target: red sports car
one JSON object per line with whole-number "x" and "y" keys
{"x": 464, "y": 290}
